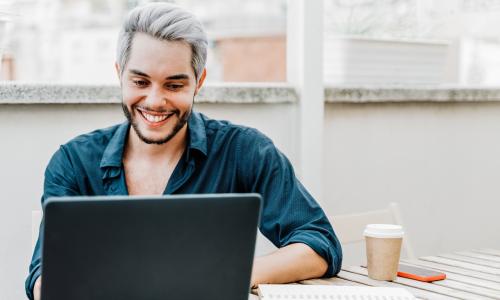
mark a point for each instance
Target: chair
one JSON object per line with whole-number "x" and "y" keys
{"x": 349, "y": 229}
{"x": 36, "y": 219}
{"x": 263, "y": 246}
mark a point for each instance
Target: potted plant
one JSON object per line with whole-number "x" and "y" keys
{"x": 381, "y": 42}
{"x": 359, "y": 60}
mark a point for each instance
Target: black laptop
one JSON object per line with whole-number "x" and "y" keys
{"x": 178, "y": 247}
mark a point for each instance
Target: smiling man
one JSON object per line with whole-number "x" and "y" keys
{"x": 167, "y": 148}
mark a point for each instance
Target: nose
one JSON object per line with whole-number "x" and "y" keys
{"x": 155, "y": 98}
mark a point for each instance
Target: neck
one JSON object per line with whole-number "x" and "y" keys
{"x": 153, "y": 151}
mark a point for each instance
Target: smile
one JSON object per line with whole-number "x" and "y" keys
{"x": 154, "y": 118}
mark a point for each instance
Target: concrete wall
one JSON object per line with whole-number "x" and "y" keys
{"x": 439, "y": 161}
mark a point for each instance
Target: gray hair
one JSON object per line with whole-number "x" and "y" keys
{"x": 166, "y": 22}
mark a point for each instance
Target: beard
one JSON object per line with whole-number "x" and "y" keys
{"x": 181, "y": 121}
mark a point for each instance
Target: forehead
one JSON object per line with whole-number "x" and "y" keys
{"x": 162, "y": 58}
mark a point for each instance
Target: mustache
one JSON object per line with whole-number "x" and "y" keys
{"x": 176, "y": 112}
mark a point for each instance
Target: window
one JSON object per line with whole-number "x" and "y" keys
{"x": 75, "y": 40}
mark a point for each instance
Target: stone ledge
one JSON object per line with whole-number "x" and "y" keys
{"x": 38, "y": 93}
{"x": 238, "y": 93}
{"x": 411, "y": 94}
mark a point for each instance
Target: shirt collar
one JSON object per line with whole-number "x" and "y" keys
{"x": 113, "y": 153}
{"x": 197, "y": 133}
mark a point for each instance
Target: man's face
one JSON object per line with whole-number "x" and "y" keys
{"x": 158, "y": 88}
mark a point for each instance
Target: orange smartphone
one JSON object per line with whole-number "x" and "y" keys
{"x": 419, "y": 274}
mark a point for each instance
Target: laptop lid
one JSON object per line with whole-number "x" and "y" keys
{"x": 168, "y": 247}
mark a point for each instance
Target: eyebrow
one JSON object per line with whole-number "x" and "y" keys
{"x": 173, "y": 77}
{"x": 137, "y": 72}
{"x": 177, "y": 77}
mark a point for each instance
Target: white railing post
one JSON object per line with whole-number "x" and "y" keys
{"x": 305, "y": 72}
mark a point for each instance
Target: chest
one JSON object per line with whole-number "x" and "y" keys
{"x": 147, "y": 178}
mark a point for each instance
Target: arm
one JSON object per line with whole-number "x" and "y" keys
{"x": 37, "y": 289}
{"x": 59, "y": 181}
{"x": 288, "y": 264}
{"x": 291, "y": 219}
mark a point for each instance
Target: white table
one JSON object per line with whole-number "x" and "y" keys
{"x": 473, "y": 274}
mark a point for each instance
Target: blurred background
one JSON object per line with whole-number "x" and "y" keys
{"x": 75, "y": 40}
{"x": 365, "y": 41}
{"x": 383, "y": 101}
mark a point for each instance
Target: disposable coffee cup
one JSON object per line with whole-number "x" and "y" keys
{"x": 383, "y": 248}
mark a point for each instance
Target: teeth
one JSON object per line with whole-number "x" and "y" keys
{"x": 154, "y": 119}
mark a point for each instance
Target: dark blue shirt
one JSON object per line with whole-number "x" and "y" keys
{"x": 220, "y": 157}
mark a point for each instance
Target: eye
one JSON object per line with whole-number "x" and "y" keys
{"x": 174, "y": 86}
{"x": 140, "y": 83}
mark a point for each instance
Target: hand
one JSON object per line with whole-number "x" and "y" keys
{"x": 37, "y": 289}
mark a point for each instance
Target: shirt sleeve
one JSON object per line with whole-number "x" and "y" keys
{"x": 59, "y": 181}
{"x": 289, "y": 213}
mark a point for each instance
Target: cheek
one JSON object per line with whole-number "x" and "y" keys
{"x": 128, "y": 96}
{"x": 183, "y": 100}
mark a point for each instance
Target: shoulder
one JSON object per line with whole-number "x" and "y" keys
{"x": 228, "y": 131}
{"x": 97, "y": 139}
{"x": 85, "y": 148}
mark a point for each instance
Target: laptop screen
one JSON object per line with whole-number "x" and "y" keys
{"x": 168, "y": 247}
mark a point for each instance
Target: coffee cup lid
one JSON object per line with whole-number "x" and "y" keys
{"x": 384, "y": 231}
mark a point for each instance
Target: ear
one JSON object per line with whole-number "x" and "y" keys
{"x": 118, "y": 72}
{"x": 201, "y": 80}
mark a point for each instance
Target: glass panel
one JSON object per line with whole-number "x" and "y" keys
{"x": 74, "y": 40}
{"x": 412, "y": 42}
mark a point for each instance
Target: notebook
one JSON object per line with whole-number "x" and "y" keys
{"x": 298, "y": 291}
